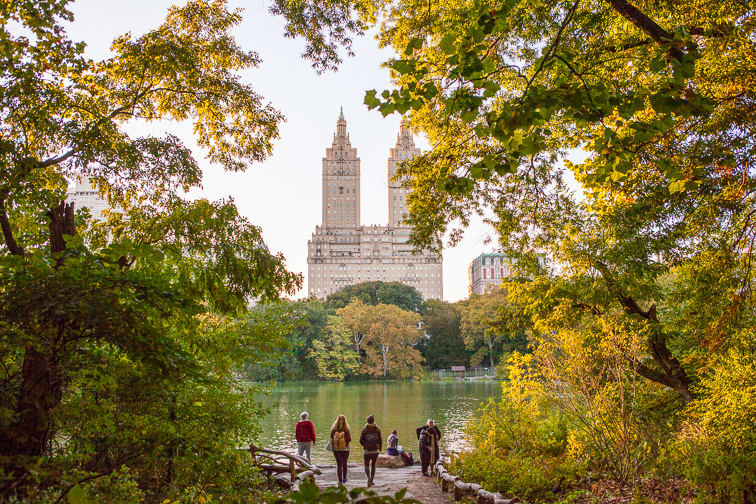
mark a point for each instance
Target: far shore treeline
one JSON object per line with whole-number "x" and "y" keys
{"x": 386, "y": 330}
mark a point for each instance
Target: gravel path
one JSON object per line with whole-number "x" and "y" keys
{"x": 389, "y": 481}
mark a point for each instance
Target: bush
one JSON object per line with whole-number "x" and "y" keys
{"x": 527, "y": 476}
{"x": 717, "y": 448}
{"x": 310, "y": 493}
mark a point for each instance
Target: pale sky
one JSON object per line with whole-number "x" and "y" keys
{"x": 282, "y": 195}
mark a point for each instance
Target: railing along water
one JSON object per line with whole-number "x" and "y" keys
{"x": 281, "y": 462}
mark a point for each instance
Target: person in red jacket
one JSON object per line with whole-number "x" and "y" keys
{"x": 305, "y": 435}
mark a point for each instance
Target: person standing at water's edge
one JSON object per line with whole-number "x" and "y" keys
{"x": 372, "y": 443}
{"x": 304, "y": 433}
{"x": 341, "y": 436}
{"x": 428, "y": 436}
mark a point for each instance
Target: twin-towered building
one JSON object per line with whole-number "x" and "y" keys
{"x": 343, "y": 251}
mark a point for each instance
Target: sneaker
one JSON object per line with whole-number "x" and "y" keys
{"x": 345, "y": 480}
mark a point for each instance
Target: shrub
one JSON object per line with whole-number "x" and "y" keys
{"x": 717, "y": 448}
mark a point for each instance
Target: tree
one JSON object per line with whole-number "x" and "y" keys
{"x": 294, "y": 359}
{"x": 356, "y": 320}
{"x": 388, "y": 334}
{"x": 444, "y": 345}
{"x": 488, "y": 322}
{"x": 390, "y": 340}
{"x": 658, "y": 95}
{"x": 147, "y": 295}
{"x": 333, "y": 352}
{"x": 405, "y": 297}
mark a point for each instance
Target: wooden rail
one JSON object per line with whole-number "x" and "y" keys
{"x": 281, "y": 462}
{"x": 460, "y": 489}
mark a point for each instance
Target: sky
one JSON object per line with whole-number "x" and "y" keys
{"x": 282, "y": 194}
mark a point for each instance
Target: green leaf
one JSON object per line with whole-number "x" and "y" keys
{"x": 403, "y": 66}
{"x": 415, "y": 43}
{"x": 448, "y": 44}
{"x": 77, "y": 495}
{"x": 370, "y": 100}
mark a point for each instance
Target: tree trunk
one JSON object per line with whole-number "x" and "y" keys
{"x": 41, "y": 384}
{"x": 490, "y": 353}
{"x": 672, "y": 373}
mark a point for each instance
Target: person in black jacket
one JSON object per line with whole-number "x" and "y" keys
{"x": 428, "y": 436}
{"x": 372, "y": 444}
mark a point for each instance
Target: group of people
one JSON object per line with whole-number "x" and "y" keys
{"x": 371, "y": 441}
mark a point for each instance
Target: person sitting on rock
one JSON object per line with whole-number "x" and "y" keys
{"x": 393, "y": 444}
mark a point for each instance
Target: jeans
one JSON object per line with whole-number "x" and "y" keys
{"x": 304, "y": 448}
{"x": 341, "y": 464}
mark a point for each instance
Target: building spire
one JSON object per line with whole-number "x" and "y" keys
{"x": 404, "y": 137}
{"x": 341, "y": 125}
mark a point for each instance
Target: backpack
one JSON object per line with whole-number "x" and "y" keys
{"x": 408, "y": 459}
{"x": 425, "y": 439}
{"x": 339, "y": 441}
{"x": 372, "y": 440}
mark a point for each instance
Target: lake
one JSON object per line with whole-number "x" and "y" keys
{"x": 400, "y": 405}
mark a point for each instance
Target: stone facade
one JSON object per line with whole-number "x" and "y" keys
{"x": 487, "y": 271}
{"x": 344, "y": 252}
{"x": 86, "y": 196}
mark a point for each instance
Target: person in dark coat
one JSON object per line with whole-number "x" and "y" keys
{"x": 428, "y": 436}
{"x": 372, "y": 444}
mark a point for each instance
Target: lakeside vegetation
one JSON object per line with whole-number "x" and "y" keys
{"x": 385, "y": 330}
{"x": 633, "y": 358}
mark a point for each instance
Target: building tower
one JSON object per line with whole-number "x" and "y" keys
{"x": 341, "y": 181}
{"x": 405, "y": 149}
{"x": 344, "y": 252}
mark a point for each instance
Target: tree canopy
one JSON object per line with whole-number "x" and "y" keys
{"x": 120, "y": 338}
{"x": 657, "y": 95}
{"x": 403, "y": 296}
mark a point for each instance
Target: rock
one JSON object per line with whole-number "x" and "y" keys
{"x": 389, "y": 461}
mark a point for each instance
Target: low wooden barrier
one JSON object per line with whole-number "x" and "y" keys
{"x": 460, "y": 489}
{"x": 281, "y": 462}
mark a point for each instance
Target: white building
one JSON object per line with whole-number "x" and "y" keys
{"x": 86, "y": 196}
{"x": 344, "y": 252}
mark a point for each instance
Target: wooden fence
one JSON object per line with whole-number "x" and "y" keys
{"x": 281, "y": 462}
{"x": 460, "y": 489}
{"x": 463, "y": 373}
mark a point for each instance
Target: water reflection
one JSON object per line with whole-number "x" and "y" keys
{"x": 399, "y": 405}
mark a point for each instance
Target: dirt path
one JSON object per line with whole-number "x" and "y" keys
{"x": 389, "y": 481}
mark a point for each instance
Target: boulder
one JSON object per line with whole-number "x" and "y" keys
{"x": 389, "y": 461}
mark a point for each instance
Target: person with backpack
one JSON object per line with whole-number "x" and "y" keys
{"x": 428, "y": 436}
{"x": 372, "y": 443}
{"x": 341, "y": 436}
{"x": 304, "y": 433}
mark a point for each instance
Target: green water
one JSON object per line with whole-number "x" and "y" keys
{"x": 400, "y": 405}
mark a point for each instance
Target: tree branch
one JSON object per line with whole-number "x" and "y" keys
{"x": 647, "y": 25}
{"x": 673, "y": 374}
{"x": 10, "y": 241}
